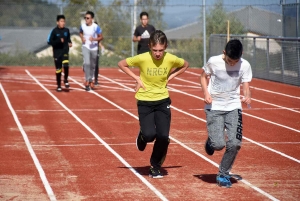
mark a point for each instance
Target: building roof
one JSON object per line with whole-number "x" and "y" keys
{"x": 259, "y": 21}
{"x": 255, "y": 20}
{"x": 29, "y": 39}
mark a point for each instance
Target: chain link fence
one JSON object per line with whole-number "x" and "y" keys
{"x": 24, "y": 27}
{"x": 271, "y": 58}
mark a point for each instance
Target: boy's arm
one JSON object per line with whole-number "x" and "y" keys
{"x": 69, "y": 39}
{"x": 99, "y": 37}
{"x": 81, "y": 36}
{"x": 54, "y": 41}
{"x": 178, "y": 71}
{"x": 136, "y": 36}
{"x": 247, "y": 94}
{"x": 203, "y": 82}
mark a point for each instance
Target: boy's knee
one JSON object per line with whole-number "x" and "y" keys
{"x": 148, "y": 136}
{"x": 163, "y": 140}
{"x": 233, "y": 146}
{"x": 218, "y": 145}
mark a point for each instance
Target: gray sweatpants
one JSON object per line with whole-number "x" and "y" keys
{"x": 89, "y": 63}
{"x": 217, "y": 121}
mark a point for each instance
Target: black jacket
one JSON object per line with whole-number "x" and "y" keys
{"x": 54, "y": 39}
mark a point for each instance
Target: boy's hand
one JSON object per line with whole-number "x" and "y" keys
{"x": 138, "y": 85}
{"x": 207, "y": 98}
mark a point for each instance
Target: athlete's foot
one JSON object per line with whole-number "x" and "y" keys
{"x": 92, "y": 85}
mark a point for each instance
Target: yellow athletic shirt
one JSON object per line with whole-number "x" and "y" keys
{"x": 154, "y": 74}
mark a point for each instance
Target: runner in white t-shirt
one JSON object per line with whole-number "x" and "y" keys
{"x": 223, "y": 104}
{"x": 90, "y": 34}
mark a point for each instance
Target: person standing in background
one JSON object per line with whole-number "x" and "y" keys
{"x": 98, "y": 60}
{"x": 142, "y": 33}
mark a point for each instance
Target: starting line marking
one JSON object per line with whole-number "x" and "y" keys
{"x": 131, "y": 143}
{"x": 30, "y": 149}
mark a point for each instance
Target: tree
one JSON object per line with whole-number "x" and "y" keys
{"x": 216, "y": 21}
{"x": 115, "y": 19}
{"x": 27, "y": 13}
{"x": 153, "y": 8}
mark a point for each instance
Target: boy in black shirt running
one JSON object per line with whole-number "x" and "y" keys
{"x": 59, "y": 39}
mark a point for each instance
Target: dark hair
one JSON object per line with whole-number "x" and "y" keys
{"x": 143, "y": 13}
{"x": 90, "y": 13}
{"x": 58, "y": 17}
{"x": 234, "y": 49}
{"x": 158, "y": 37}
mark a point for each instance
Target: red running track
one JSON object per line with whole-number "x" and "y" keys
{"x": 79, "y": 145}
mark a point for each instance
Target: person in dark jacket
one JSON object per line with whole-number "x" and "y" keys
{"x": 60, "y": 40}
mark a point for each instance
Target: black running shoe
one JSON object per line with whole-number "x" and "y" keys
{"x": 140, "y": 143}
{"x": 155, "y": 173}
{"x": 208, "y": 148}
{"x": 58, "y": 89}
{"x": 87, "y": 88}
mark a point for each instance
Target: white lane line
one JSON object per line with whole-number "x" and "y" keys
{"x": 131, "y": 143}
{"x": 148, "y": 184}
{"x": 195, "y": 109}
{"x": 256, "y": 88}
{"x": 273, "y": 92}
{"x": 267, "y": 103}
{"x": 30, "y": 149}
{"x": 74, "y": 110}
{"x": 217, "y": 165}
{"x": 259, "y": 144}
{"x": 183, "y": 145}
{"x": 271, "y": 122}
{"x": 275, "y": 105}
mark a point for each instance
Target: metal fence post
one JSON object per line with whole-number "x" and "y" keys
{"x": 132, "y": 28}
{"x": 268, "y": 57}
{"x": 204, "y": 32}
{"x": 298, "y": 62}
{"x": 254, "y": 56}
{"x": 282, "y": 60}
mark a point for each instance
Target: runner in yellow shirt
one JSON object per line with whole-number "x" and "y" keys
{"x": 153, "y": 102}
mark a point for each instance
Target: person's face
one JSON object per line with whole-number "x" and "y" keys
{"x": 144, "y": 20}
{"x": 157, "y": 50}
{"x": 88, "y": 19}
{"x": 61, "y": 23}
{"x": 229, "y": 61}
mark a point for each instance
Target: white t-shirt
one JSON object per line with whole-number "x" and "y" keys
{"x": 90, "y": 31}
{"x": 224, "y": 84}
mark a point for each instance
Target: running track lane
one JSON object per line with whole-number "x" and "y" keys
{"x": 173, "y": 193}
{"x": 65, "y": 160}
{"x": 263, "y": 156}
{"x": 125, "y": 99}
